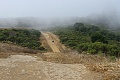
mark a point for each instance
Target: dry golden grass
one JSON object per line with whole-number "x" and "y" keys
{"x": 7, "y": 49}
{"x": 68, "y": 58}
{"x": 96, "y": 63}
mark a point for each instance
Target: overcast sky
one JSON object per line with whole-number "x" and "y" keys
{"x": 56, "y": 8}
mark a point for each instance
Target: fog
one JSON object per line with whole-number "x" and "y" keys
{"x": 49, "y": 13}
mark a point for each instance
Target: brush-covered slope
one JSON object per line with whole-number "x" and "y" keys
{"x": 24, "y": 37}
{"x": 90, "y": 39}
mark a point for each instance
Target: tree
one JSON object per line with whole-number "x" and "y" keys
{"x": 97, "y": 37}
{"x": 78, "y": 26}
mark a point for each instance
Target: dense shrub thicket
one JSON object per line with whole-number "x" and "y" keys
{"x": 23, "y": 37}
{"x": 90, "y": 39}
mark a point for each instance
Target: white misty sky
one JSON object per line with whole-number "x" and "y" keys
{"x": 56, "y": 8}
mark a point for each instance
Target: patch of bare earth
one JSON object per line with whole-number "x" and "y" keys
{"x": 24, "y": 67}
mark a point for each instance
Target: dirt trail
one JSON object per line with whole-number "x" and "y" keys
{"x": 51, "y": 42}
{"x": 29, "y": 67}
{"x": 54, "y": 42}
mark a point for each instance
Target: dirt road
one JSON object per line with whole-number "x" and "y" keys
{"x": 51, "y": 42}
{"x": 27, "y": 67}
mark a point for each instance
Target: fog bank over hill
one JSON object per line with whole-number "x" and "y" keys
{"x": 37, "y": 23}
{"x": 107, "y": 20}
{"x": 49, "y": 13}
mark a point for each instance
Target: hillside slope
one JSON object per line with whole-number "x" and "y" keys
{"x": 34, "y": 66}
{"x": 90, "y": 39}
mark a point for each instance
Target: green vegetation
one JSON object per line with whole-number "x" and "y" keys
{"x": 90, "y": 39}
{"x": 23, "y": 37}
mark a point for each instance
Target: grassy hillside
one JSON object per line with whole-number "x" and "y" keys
{"x": 23, "y": 37}
{"x": 90, "y": 39}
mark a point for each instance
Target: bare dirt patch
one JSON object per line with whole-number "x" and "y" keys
{"x": 24, "y": 67}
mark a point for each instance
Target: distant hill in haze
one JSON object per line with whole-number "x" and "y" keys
{"x": 109, "y": 21}
{"x": 36, "y": 23}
